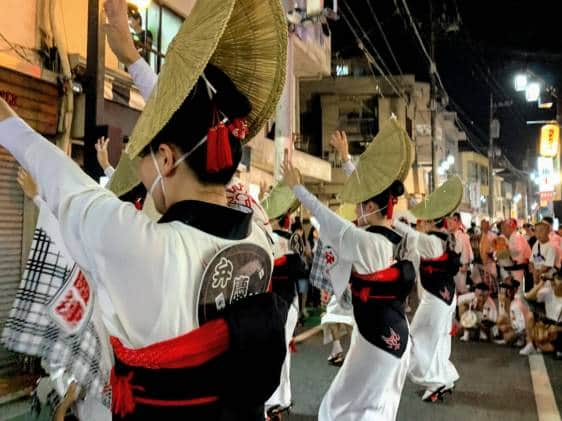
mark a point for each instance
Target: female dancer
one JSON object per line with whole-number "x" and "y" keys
{"x": 432, "y": 324}
{"x": 369, "y": 384}
{"x": 154, "y": 279}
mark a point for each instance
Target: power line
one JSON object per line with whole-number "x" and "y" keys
{"x": 418, "y": 36}
{"x": 384, "y": 36}
{"x": 394, "y": 85}
{"x": 362, "y": 49}
{"x": 370, "y": 58}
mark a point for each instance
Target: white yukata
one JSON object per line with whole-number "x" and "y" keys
{"x": 282, "y": 395}
{"x": 369, "y": 384}
{"x": 431, "y": 326}
{"x": 150, "y": 291}
{"x": 338, "y": 310}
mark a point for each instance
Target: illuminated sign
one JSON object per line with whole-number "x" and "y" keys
{"x": 546, "y": 177}
{"x": 545, "y": 198}
{"x": 550, "y": 140}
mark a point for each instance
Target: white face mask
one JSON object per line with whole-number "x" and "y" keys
{"x": 159, "y": 178}
{"x": 362, "y": 220}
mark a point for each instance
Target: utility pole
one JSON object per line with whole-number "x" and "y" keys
{"x": 491, "y": 195}
{"x": 95, "y": 74}
{"x": 433, "y": 102}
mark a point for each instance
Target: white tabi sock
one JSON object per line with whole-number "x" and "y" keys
{"x": 336, "y": 347}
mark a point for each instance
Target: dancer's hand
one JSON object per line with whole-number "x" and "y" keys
{"x": 118, "y": 33}
{"x": 101, "y": 152}
{"x": 27, "y": 183}
{"x": 339, "y": 142}
{"x": 291, "y": 175}
{"x": 5, "y": 110}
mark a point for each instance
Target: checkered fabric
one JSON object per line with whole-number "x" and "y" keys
{"x": 31, "y": 331}
{"x": 324, "y": 258}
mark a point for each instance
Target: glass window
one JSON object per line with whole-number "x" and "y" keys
{"x": 484, "y": 175}
{"x": 171, "y": 24}
{"x": 159, "y": 27}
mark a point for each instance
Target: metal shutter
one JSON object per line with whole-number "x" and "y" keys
{"x": 11, "y": 234}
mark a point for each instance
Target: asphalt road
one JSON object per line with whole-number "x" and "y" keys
{"x": 495, "y": 384}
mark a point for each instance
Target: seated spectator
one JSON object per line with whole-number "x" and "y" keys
{"x": 544, "y": 256}
{"x": 513, "y": 316}
{"x": 546, "y": 333}
{"x": 481, "y": 312}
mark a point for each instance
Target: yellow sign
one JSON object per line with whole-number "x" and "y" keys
{"x": 550, "y": 140}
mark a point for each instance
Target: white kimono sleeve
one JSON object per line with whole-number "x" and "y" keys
{"x": 348, "y": 167}
{"x": 102, "y": 234}
{"x": 143, "y": 77}
{"x": 351, "y": 244}
{"x": 428, "y": 246}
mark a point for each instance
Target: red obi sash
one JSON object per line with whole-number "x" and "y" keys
{"x": 391, "y": 274}
{"x": 190, "y": 350}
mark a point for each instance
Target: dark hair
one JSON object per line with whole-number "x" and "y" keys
{"x": 396, "y": 189}
{"x": 440, "y": 223}
{"x": 297, "y": 225}
{"x": 482, "y": 286}
{"x": 135, "y": 14}
{"x": 548, "y": 220}
{"x": 191, "y": 122}
{"x": 311, "y": 239}
{"x": 457, "y": 216}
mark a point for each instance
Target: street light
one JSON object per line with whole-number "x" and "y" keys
{"x": 532, "y": 92}
{"x": 450, "y": 160}
{"x": 520, "y": 83}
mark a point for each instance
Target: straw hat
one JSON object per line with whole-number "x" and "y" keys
{"x": 389, "y": 157}
{"x": 246, "y": 39}
{"x": 279, "y": 201}
{"x": 442, "y": 202}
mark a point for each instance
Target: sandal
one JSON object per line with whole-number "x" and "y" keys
{"x": 336, "y": 360}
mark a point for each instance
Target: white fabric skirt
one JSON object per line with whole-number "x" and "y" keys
{"x": 368, "y": 385}
{"x": 431, "y": 343}
{"x": 336, "y": 313}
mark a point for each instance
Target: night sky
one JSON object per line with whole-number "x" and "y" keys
{"x": 480, "y": 46}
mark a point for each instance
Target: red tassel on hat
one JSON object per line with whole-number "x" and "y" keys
{"x": 212, "y": 150}
{"x": 224, "y": 151}
{"x": 390, "y": 206}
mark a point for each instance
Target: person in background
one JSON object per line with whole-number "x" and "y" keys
{"x": 298, "y": 245}
{"x": 554, "y": 238}
{"x": 512, "y": 316}
{"x": 463, "y": 247}
{"x": 485, "y": 308}
{"x": 477, "y": 272}
{"x": 142, "y": 38}
{"x": 530, "y": 234}
{"x": 518, "y": 253}
{"x": 486, "y": 248}
{"x": 103, "y": 156}
{"x": 544, "y": 257}
{"x": 547, "y": 333}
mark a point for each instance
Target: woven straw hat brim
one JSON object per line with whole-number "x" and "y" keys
{"x": 442, "y": 202}
{"x": 409, "y": 161}
{"x": 388, "y": 158}
{"x": 279, "y": 201}
{"x": 246, "y": 39}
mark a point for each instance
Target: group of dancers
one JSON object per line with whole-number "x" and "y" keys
{"x": 197, "y": 308}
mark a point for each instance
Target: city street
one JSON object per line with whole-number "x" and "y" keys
{"x": 495, "y": 384}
